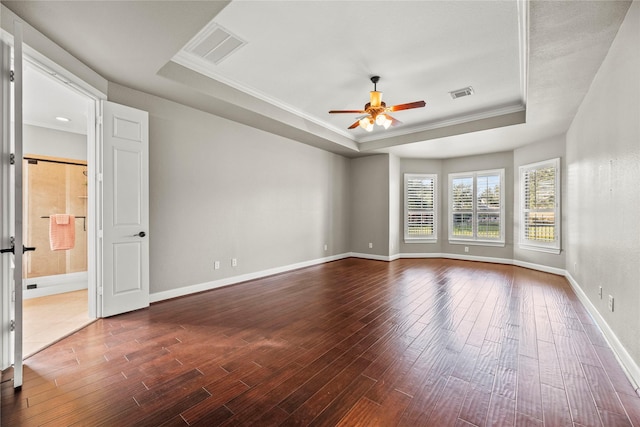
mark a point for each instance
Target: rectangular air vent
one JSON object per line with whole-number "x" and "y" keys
{"x": 455, "y": 94}
{"x": 216, "y": 44}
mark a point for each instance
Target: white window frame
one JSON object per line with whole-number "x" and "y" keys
{"x": 425, "y": 238}
{"x": 475, "y": 211}
{"x": 531, "y": 244}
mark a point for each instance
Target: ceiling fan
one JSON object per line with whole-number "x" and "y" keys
{"x": 376, "y": 111}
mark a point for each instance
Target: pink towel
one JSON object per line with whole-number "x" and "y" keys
{"x": 62, "y": 232}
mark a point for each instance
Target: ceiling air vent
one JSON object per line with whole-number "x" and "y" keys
{"x": 455, "y": 94}
{"x": 216, "y": 44}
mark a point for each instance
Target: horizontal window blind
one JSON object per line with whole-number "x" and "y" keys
{"x": 539, "y": 204}
{"x": 420, "y": 206}
{"x": 488, "y": 205}
{"x": 462, "y": 200}
{"x": 476, "y": 206}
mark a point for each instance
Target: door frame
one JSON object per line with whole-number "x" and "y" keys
{"x": 6, "y": 194}
{"x": 94, "y": 144}
{"x": 94, "y": 132}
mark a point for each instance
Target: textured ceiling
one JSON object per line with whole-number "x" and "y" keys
{"x": 312, "y": 57}
{"x": 303, "y": 58}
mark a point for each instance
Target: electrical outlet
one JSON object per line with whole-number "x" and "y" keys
{"x": 600, "y": 291}
{"x": 325, "y": 247}
{"x": 234, "y": 262}
{"x": 466, "y": 248}
{"x": 216, "y": 265}
{"x": 370, "y": 245}
{"x": 610, "y": 302}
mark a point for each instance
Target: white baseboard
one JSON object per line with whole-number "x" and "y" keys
{"x": 630, "y": 367}
{"x": 57, "y": 284}
{"x": 421, "y": 255}
{"x": 201, "y": 287}
{"x": 370, "y": 256}
{"x": 478, "y": 258}
{"x": 540, "y": 267}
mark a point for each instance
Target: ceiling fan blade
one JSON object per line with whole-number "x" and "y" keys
{"x": 408, "y": 106}
{"x": 394, "y": 121}
{"x": 347, "y": 111}
{"x": 355, "y": 125}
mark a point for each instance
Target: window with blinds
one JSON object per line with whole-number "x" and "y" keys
{"x": 476, "y": 208}
{"x": 539, "y": 206}
{"x": 420, "y": 208}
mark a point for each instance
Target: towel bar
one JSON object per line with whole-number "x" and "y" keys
{"x": 84, "y": 222}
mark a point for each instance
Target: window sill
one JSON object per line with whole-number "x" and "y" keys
{"x": 478, "y": 243}
{"x": 420, "y": 240}
{"x": 555, "y": 251}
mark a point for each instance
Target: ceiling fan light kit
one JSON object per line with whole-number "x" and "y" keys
{"x": 376, "y": 110}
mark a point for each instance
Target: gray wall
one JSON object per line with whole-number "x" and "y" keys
{"x": 370, "y": 205}
{"x": 443, "y": 168}
{"x": 532, "y": 153}
{"x": 478, "y": 163}
{"x": 56, "y": 143}
{"x": 603, "y": 200}
{"x": 221, "y": 190}
{"x": 395, "y": 215}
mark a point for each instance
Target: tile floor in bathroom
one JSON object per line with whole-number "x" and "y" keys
{"x": 50, "y": 318}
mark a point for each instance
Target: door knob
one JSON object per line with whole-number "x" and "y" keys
{"x": 12, "y": 249}
{"x": 140, "y": 234}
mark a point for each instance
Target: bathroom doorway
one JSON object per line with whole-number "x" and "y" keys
{"x": 55, "y": 201}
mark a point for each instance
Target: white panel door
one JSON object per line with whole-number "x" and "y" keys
{"x": 125, "y": 207}
{"x": 11, "y": 193}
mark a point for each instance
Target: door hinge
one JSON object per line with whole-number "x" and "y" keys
{"x": 12, "y": 159}
{"x": 99, "y": 177}
{"x": 12, "y": 76}
{"x": 99, "y": 290}
{"x": 12, "y": 325}
{"x": 99, "y": 120}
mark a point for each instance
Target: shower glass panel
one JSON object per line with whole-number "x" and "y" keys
{"x": 54, "y": 186}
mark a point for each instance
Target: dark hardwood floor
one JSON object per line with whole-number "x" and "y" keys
{"x": 350, "y": 343}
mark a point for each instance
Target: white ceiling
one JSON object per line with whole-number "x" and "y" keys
{"x": 421, "y": 50}
{"x": 46, "y": 97}
{"x": 304, "y": 58}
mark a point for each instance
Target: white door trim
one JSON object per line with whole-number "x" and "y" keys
{"x": 6, "y": 215}
{"x": 94, "y": 130}
{"x": 17, "y": 205}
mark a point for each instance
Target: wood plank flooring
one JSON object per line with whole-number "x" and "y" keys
{"x": 349, "y": 343}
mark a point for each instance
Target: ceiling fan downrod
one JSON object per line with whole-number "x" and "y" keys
{"x": 375, "y": 80}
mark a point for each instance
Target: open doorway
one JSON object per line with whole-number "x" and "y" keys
{"x": 55, "y": 185}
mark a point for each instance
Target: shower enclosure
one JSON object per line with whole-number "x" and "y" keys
{"x": 54, "y": 186}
